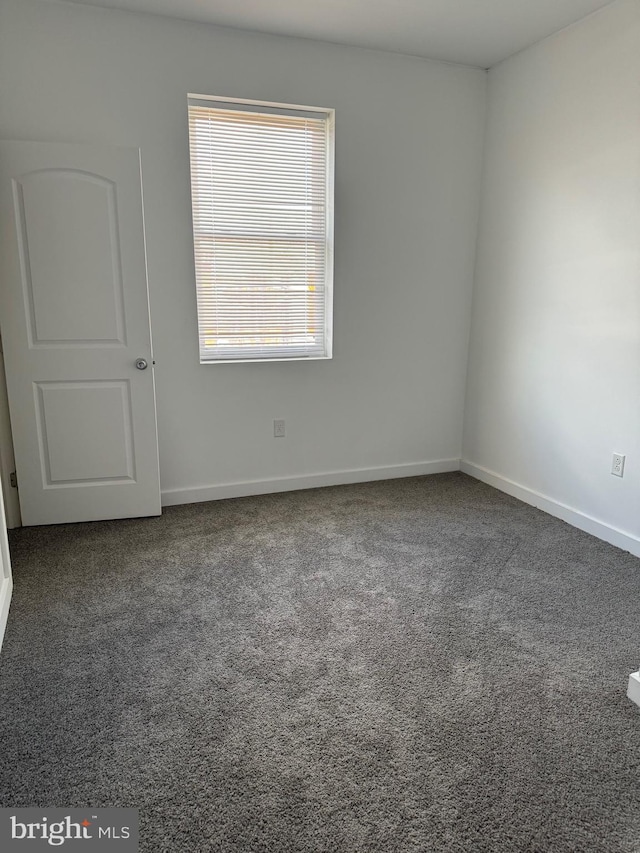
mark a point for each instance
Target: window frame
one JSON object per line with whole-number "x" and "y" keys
{"x": 276, "y": 108}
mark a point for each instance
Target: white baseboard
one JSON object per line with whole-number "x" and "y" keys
{"x": 633, "y": 691}
{"x": 613, "y": 535}
{"x": 5, "y": 599}
{"x": 171, "y": 497}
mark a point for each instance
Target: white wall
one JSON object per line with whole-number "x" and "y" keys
{"x": 408, "y": 155}
{"x": 554, "y": 362}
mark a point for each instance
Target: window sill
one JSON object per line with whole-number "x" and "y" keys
{"x": 296, "y": 358}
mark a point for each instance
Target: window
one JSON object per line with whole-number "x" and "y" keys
{"x": 262, "y": 198}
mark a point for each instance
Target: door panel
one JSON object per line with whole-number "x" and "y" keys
{"x": 69, "y": 235}
{"x": 104, "y": 451}
{"x": 75, "y": 319}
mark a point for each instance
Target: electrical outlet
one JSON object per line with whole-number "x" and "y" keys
{"x": 617, "y": 465}
{"x": 279, "y": 429}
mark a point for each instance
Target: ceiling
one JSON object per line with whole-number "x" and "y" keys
{"x": 472, "y": 32}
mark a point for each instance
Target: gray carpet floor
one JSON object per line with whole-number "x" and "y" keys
{"x": 401, "y": 667}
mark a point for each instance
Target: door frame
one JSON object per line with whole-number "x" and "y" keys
{"x": 6, "y": 580}
{"x": 7, "y": 457}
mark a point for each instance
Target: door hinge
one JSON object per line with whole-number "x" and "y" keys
{"x": 13, "y": 479}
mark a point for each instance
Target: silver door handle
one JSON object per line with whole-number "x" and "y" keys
{"x": 141, "y": 364}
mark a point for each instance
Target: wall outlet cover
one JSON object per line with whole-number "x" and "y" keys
{"x": 617, "y": 464}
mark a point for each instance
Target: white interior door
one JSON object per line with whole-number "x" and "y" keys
{"x": 74, "y": 314}
{"x": 5, "y": 570}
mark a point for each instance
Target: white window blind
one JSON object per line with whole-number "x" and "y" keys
{"x": 262, "y": 198}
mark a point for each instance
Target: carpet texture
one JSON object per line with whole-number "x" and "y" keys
{"x": 400, "y": 667}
